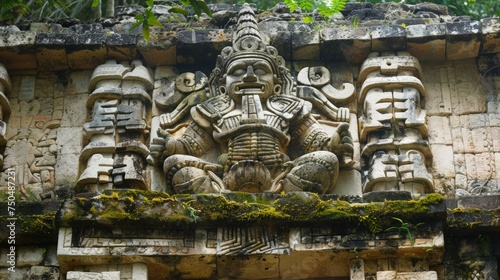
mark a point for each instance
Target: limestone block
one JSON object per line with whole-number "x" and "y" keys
{"x": 305, "y": 45}
{"x": 50, "y": 51}
{"x": 17, "y": 49}
{"x": 439, "y": 130}
{"x": 467, "y": 91}
{"x": 18, "y": 274}
{"x": 86, "y": 51}
{"x": 357, "y": 269}
{"x": 463, "y": 39}
{"x": 438, "y": 83}
{"x": 201, "y": 46}
{"x": 352, "y": 44}
{"x": 490, "y": 35}
{"x": 136, "y": 271}
{"x": 480, "y": 166}
{"x": 427, "y": 42}
{"x": 121, "y": 46}
{"x": 442, "y": 160}
{"x": 160, "y": 50}
{"x": 277, "y": 34}
{"x": 314, "y": 265}
{"x": 78, "y": 275}
{"x": 388, "y": 38}
{"x": 78, "y": 82}
{"x": 394, "y": 275}
{"x": 197, "y": 267}
{"x": 248, "y": 267}
{"x": 75, "y": 111}
{"x": 29, "y": 256}
{"x": 69, "y": 140}
{"x": 44, "y": 272}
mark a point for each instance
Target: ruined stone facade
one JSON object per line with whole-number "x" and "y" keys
{"x": 256, "y": 147}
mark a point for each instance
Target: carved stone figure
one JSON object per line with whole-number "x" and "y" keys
{"x": 115, "y": 154}
{"x": 396, "y": 152}
{"x": 247, "y": 119}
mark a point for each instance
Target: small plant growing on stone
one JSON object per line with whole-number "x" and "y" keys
{"x": 405, "y": 227}
{"x": 326, "y": 8}
{"x": 149, "y": 19}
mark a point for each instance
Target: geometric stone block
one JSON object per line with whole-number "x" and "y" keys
{"x": 490, "y": 35}
{"x": 388, "y": 38}
{"x": 427, "y": 42}
{"x": 350, "y": 44}
{"x": 463, "y": 39}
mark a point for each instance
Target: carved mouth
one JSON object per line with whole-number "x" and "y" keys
{"x": 250, "y": 88}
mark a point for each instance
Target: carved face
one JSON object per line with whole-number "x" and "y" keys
{"x": 250, "y": 76}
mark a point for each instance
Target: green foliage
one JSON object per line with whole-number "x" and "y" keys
{"x": 326, "y": 8}
{"x": 403, "y": 226}
{"x": 149, "y": 19}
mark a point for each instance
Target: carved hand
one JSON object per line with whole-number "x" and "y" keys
{"x": 343, "y": 114}
{"x": 161, "y": 147}
{"x": 341, "y": 144}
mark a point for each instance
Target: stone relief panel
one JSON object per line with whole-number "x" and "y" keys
{"x": 31, "y": 149}
{"x": 393, "y": 132}
{"x": 249, "y": 126}
{"x": 114, "y": 153}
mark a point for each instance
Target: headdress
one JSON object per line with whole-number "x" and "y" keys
{"x": 248, "y": 43}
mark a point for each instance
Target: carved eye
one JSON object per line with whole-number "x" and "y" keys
{"x": 239, "y": 72}
{"x": 260, "y": 71}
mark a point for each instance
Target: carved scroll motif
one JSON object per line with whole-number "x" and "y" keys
{"x": 114, "y": 155}
{"x": 396, "y": 152}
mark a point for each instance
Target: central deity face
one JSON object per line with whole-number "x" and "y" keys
{"x": 250, "y": 76}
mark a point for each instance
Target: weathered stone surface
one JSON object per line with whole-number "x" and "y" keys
{"x": 50, "y": 50}
{"x": 351, "y": 44}
{"x": 17, "y": 49}
{"x": 463, "y": 39}
{"x": 388, "y": 38}
{"x": 490, "y": 41}
{"x": 86, "y": 50}
{"x": 201, "y": 46}
{"x": 160, "y": 50}
{"x": 44, "y": 272}
{"x": 426, "y": 42}
{"x": 121, "y": 46}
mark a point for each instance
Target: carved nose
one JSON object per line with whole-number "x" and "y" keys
{"x": 250, "y": 75}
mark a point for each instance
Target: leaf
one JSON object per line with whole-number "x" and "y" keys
{"x": 308, "y": 19}
{"x": 306, "y": 5}
{"x": 152, "y": 20}
{"x": 196, "y": 7}
{"x": 139, "y": 20}
{"x": 185, "y": 2}
{"x": 145, "y": 31}
{"x": 95, "y": 3}
{"x": 150, "y": 3}
{"x": 292, "y": 4}
{"x": 178, "y": 10}
{"x": 205, "y": 8}
{"x": 325, "y": 11}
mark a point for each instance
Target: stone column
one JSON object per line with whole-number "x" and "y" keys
{"x": 114, "y": 154}
{"x": 395, "y": 151}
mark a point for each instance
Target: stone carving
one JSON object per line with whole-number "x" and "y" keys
{"x": 243, "y": 123}
{"x": 396, "y": 152}
{"x": 79, "y": 275}
{"x": 32, "y": 149}
{"x": 394, "y": 275}
{"x": 114, "y": 154}
{"x": 252, "y": 240}
{"x": 5, "y": 86}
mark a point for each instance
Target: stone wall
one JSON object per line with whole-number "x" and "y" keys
{"x": 81, "y": 104}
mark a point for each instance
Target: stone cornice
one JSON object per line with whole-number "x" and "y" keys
{"x": 50, "y": 46}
